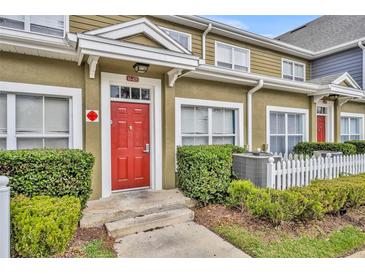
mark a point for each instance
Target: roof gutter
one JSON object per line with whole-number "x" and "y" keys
{"x": 259, "y": 85}
{"x": 360, "y": 44}
{"x": 246, "y": 36}
{"x": 203, "y": 40}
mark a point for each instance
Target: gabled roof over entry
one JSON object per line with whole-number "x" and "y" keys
{"x": 141, "y": 26}
{"x": 336, "y": 79}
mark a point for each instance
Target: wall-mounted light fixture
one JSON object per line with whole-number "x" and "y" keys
{"x": 140, "y": 67}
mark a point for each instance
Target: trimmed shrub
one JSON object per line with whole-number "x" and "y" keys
{"x": 205, "y": 172}
{"x": 48, "y": 172}
{"x": 360, "y": 146}
{"x": 300, "y": 203}
{"x": 307, "y": 148}
{"x": 42, "y": 226}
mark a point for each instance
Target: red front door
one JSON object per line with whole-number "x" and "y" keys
{"x": 321, "y": 128}
{"x": 130, "y": 133}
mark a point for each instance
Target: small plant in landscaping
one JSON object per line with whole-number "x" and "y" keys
{"x": 307, "y": 148}
{"x": 300, "y": 203}
{"x": 205, "y": 172}
{"x": 42, "y": 226}
{"x": 50, "y": 172}
{"x": 96, "y": 249}
{"x": 359, "y": 144}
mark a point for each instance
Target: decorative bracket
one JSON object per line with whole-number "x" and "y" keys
{"x": 173, "y": 75}
{"x": 317, "y": 98}
{"x": 92, "y": 61}
{"x": 343, "y": 100}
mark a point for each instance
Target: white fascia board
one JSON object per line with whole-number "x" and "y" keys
{"x": 339, "y": 90}
{"x": 33, "y": 41}
{"x": 128, "y": 51}
{"x": 251, "y": 78}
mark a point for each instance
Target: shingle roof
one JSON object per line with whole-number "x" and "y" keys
{"x": 326, "y": 31}
{"x": 325, "y": 80}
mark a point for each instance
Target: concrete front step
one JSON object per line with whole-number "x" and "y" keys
{"x": 131, "y": 204}
{"x": 149, "y": 222}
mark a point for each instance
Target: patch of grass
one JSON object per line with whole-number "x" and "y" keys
{"x": 97, "y": 249}
{"x": 336, "y": 244}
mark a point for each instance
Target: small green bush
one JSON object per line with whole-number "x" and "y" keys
{"x": 300, "y": 203}
{"x": 307, "y": 148}
{"x": 360, "y": 146}
{"x": 205, "y": 172}
{"x": 48, "y": 172}
{"x": 42, "y": 226}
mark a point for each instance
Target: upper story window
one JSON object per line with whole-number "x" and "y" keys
{"x": 182, "y": 38}
{"x": 45, "y": 24}
{"x": 292, "y": 70}
{"x": 232, "y": 57}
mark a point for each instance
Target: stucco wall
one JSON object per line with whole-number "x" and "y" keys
{"x": 37, "y": 70}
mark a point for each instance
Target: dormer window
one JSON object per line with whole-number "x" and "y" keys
{"x": 53, "y": 25}
{"x": 292, "y": 70}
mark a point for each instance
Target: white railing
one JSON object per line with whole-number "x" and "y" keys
{"x": 297, "y": 170}
{"x": 4, "y": 217}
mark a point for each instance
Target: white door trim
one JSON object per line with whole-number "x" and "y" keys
{"x": 155, "y": 128}
{"x": 330, "y": 122}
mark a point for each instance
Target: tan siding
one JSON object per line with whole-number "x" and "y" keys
{"x": 263, "y": 61}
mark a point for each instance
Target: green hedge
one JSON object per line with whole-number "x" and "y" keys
{"x": 205, "y": 172}
{"x": 360, "y": 146}
{"x": 48, "y": 172}
{"x": 307, "y": 148}
{"x": 42, "y": 226}
{"x": 301, "y": 203}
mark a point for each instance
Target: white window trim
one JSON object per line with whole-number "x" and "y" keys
{"x": 181, "y": 32}
{"x": 233, "y": 46}
{"x": 66, "y": 27}
{"x": 330, "y": 121}
{"x": 108, "y": 79}
{"x": 355, "y": 115}
{"x": 74, "y": 94}
{"x": 287, "y": 110}
{"x": 208, "y": 103}
{"x": 294, "y": 62}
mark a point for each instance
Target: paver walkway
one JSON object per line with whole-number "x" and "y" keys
{"x": 186, "y": 240}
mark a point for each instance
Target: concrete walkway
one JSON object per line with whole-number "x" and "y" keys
{"x": 186, "y": 240}
{"x": 360, "y": 254}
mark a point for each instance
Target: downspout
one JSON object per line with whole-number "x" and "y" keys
{"x": 363, "y": 63}
{"x": 203, "y": 40}
{"x": 259, "y": 85}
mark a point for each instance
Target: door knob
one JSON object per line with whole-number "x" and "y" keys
{"x": 147, "y": 148}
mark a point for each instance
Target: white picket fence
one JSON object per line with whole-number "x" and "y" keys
{"x": 297, "y": 170}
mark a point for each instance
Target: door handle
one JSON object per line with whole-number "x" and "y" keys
{"x": 147, "y": 148}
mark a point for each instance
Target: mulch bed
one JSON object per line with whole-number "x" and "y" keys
{"x": 85, "y": 235}
{"x": 215, "y": 215}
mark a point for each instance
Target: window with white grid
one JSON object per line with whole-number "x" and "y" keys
{"x": 38, "y": 121}
{"x": 232, "y": 57}
{"x": 53, "y": 25}
{"x": 184, "y": 39}
{"x": 292, "y": 70}
{"x": 286, "y": 129}
{"x": 351, "y": 127}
